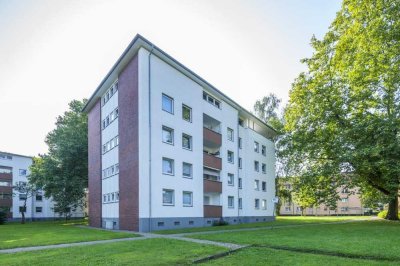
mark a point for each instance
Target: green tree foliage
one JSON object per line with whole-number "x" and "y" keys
{"x": 343, "y": 117}
{"x": 29, "y": 190}
{"x": 62, "y": 172}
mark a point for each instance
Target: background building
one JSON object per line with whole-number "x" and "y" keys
{"x": 14, "y": 168}
{"x": 168, "y": 150}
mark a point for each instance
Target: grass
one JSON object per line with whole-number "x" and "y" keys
{"x": 266, "y": 256}
{"x": 142, "y": 252}
{"x": 359, "y": 239}
{"x": 14, "y": 235}
{"x": 280, "y": 221}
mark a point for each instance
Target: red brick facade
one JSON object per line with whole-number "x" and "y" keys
{"x": 94, "y": 160}
{"x": 128, "y": 147}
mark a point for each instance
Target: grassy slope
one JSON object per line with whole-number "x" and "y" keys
{"x": 142, "y": 252}
{"x": 45, "y": 233}
{"x": 373, "y": 238}
{"x": 282, "y": 220}
{"x": 265, "y": 256}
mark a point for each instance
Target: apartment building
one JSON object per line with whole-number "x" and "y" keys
{"x": 14, "y": 168}
{"x": 348, "y": 204}
{"x": 168, "y": 150}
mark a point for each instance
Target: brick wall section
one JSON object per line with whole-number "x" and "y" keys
{"x": 94, "y": 160}
{"x": 128, "y": 147}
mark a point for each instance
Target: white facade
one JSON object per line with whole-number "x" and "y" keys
{"x": 38, "y": 206}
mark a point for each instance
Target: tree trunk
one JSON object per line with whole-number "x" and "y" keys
{"x": 393, "y": 209}
{"x": 23, "y": 217}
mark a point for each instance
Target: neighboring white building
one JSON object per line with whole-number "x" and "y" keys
{"x": 14, "y": 168}
{"x": 168, "y": 150}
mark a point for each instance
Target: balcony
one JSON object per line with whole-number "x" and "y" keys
{"x": 212, "y": 211}
{"x": 211, "y": 186}
{"x": 211, "y": 138}
{"x": 212, "y": 161}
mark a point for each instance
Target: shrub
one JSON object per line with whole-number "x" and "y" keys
{"x": 220, "y": 222}
{"x": 3, "y": 217}
{"x": 383, "y": 214}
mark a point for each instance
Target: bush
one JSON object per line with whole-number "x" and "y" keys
{"x": 220, "y": 222}
{"x": 383, "y": 214}
{"x": 3, "y": 217}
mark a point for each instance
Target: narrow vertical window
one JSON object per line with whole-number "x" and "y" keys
{"x": 187, "y": 199}
{"x": 231, "y": 203}
{"x": 186, "y": 113}
{"x": 167, "y": 104}
{"x": 167, "y": 135}
{"x": 186, "y": 142}
{"x": 187, "y": 170}
{"x": 168, "y": 166}
{"x": 230, "y": 134}
{"x": 168, "y": 197}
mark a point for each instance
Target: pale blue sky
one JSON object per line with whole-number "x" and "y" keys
{"x": 52, "y": 52}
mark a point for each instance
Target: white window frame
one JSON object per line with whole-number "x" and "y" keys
{"x": 172, "y": 166}
{"x": 264, "y": 204}
{"x": 240, "y": 203}
{"x": 240, "y": 182}
{"x": 172, "y": 197}
{"x": 191, "y": 170}
{"x": 256, "y": 184}
{"x": 262, "y": 184}
{"x": 232, "y": 198}
{"x": 165, "y": 96}
{"x": 257, "y": 204}
{"x": 263, "y": 150}
{"x": 190, "y": 142}
{"x": 231, "y": 134}
{"x": 171, "y": 131}
{"x": 232, "y": 160}
{"x": 191, "y": 199}
{"x": 190, "y": 112}
{"x": 264, "y": 168}
{"x": 256, "y": 147}
{"x": 257, "y": 166}
{"x": 231, "y": 179}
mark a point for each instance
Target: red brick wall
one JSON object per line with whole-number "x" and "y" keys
{"x": 128, "y": 147}
{"x": 94, "y": 160}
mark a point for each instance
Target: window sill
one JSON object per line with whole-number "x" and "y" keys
{"x": 168, "y": 174}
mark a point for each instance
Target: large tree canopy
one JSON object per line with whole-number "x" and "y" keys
{"x": 343, "y": 118}
{"x": 62, "y": 172}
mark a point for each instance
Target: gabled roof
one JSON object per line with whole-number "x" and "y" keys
{"x": 141, "y": 42}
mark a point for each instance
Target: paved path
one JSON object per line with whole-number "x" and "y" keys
{"x": 181, "y": 237}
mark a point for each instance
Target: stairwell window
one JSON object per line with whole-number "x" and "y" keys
{"x": 264, "y": 150}
{"x": 240, "y": 203}
{"x": 256, "y": 166}
{"x": 231, "y": 179}
{"x": 256, "y": 147}
{"x": 257, "y": 204}
{"x": 187, "y": 170}
{"x": 264, "y": 168}
{"x": 168, "y": 166}
{"x": 186, "y": 113}
{"x": 230, "y": 134}
{"x": 264, "y": 186}
{"x": 168, "y": 104}
{"x": 264, "y": 204}
{"x": 167, "y": 135}
{"x": 257, "y": 184}
{"x": 240, "y": 182}
{"x": 230, "y": 157}
{"x": 186, "y": 142}
{"x": 231, "y": 202}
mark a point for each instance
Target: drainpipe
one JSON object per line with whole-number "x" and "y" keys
{"x": 237, "y": 149}
{"x": 149, "y": 83}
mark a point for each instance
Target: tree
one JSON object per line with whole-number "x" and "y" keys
{"x": 282, "y": 192}
{"x": 267, "y": 110}
{"x": 62, "y": 172}
{"x": 28, "y": 190}
{"x": 343, "y": 116}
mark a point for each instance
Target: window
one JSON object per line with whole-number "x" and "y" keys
{"x": 110, "y": 144}
{"x": 264, "y": 186}
{"x": 110, "y": 171}
{"x": 187, "y": 170}
{"x": 240, "y": 163}
{"x": 287, "y": 209}
{"x": 5, "y": 195}
{"x": 5, "y": 157}
{"x": 187, "y": 199}
{"x": 186, "y": 142}
{"x": 167, "y": 135}
{"x": 110, "y": 118}
{"x": 110, "y": 92}
{"x": 256, "y": 166}
{"x": 38, "y": 209}
{"x": 168, "y": 166}
{"x": 264, "y": 204}
{"x": 264, "y": 150}
{"x": 240, "y": 203}
{"x": 186, "y": 113}
{"x": 22, "y": 172}
{"x": 240, "y": 182}
{"x": 5, "y": 183}
{"x": 231, "y": 203}
{"x": 230, "y": 157}
{"x": 344, "y": 209}
{"x": 39, "y": 197}
{"x": 104, "y": 198}
{"x": 264, "y": 168}
{"x": 256, "y": 146}
{"x": 230, "y": 134}
{"x": 257, "y": 204}
{"x": 257, "y": 184}
{"x": 167, "y": 104}
{"x": 231, "y": 179}
{"x": 345, "y": 190}
{"x": 345, "y": 200}
{"x": 22, "y": 196}
{"x": 22, "y": 209}
{"x": 168, "y": 197}
{"x": 211, "y": 100}
{"x": 240, "y": 143}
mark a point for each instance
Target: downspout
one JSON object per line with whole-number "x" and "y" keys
{"x": 149, "y": 83}
{"x": 237, "y": 148}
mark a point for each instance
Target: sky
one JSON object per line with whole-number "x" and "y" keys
{"x": 52, "y": 52}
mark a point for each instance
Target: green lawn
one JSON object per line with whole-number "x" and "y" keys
{"x": 280, "y": 221}
{"x": 46, "y": 233}
{"x": 367, "y": 238}
{"x": 266, "y": 256}
{"x": 142, "y": 252}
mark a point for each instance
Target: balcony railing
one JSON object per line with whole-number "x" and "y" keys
{"x": 212, "y": 161}
{"x": 212, "y": 186}
{"x": 211, "y": 138}
{"x": 212, "y": 211}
